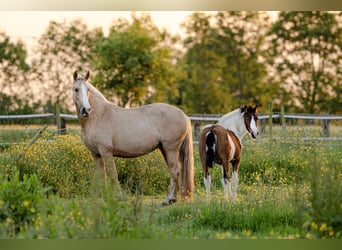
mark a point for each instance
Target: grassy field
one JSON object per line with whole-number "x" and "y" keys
{"x": 289, "y": 188}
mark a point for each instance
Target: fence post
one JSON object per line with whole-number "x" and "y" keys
{"x": 61, "y": 126}
{"x": 282, "y": 117}
{"x": 270, "y": 119}
{"x": 37, "y": 134}
{"x": 325, "y": 124}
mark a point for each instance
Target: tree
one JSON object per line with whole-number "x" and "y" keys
{"x": 201, "y": 89}
{"x": 134, "y": 62}
{"x": 225, "y": 58}
{"x": 307, "y": 51}
{"x": 63, "y": 48}
{"x": 15, "y": 92}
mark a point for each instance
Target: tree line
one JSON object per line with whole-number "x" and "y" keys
{"x": 225, "y": 60}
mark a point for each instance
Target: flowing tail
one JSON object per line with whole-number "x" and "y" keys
{"x": 210, "y": 142}
{"x": 187, "y": 162}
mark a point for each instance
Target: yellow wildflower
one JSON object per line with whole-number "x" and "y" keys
{"x": 314, "y": 225}
{"x": 323, "y": 227}
{"x": 26, "y": 203}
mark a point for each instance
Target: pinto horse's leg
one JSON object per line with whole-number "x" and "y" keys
{"x": 226, "y": 180}
{"x": 207, "y": 182}
{"x": 235, "y": 181}
{"x": 171, "y": 158}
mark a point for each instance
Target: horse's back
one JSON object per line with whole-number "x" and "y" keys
{"x": 227, "y": 145}
{"x": 221, "y": 143}
{"x": 167, "y": 118}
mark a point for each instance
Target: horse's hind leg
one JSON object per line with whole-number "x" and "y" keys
{"x": 235, "y": 178}
{"x": 226, "y": 181}
{"x": 171, "y": 158}
{"x": 206, "y": 177}
{"x": 207, "y": 182}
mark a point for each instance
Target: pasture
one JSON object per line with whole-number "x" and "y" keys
{"x": 289, "y": 188}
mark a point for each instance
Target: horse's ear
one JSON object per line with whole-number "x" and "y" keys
{"x": 256, "y": 107}
{"x": 244, "y": 109}
{"x": 87, "y": 75}
{"x": 75, "y": 75}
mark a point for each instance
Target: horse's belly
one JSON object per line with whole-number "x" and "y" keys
{"x": 134, "y": 147}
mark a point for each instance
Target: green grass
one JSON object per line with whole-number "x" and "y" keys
{"x": 289, "y": 188}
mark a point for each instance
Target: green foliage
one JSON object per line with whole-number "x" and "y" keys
{"x": 288, "y": 188}
{"x": 228, "y": 45}
{"x": 61, "y": 163}
{"x": 307, "y": 53}
{"x": 19, "y": 200}
{"x": 66, "y": 166}
{"x": 13, "y": 56}
{"x": 14, "y": 69}
{"x": 134, "y": 62}
{"x": 63, "y": 48}
{"x": 321, "y": 215}
{"x": 147, "y": 174}
{"x": 108, "y": 215}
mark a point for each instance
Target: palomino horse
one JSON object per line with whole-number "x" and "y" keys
{"x": 108, "y": 130}
{"x": 221, "y": 143}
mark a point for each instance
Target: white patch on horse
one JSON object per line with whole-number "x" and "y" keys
{"x": 85, "y": 101}
{"x": 207, "y": 183}
{"x": 232, "y": 148}
{"x": 253, "y": 126}
{"x": 214, "y": 145}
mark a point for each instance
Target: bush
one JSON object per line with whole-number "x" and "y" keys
{"x": 147, "y": 174}
{"x": 65, "y": 165}
{"x": 61, "y": 163}
{"x": 19, "y": 199}
{"x": 321, "y": 215}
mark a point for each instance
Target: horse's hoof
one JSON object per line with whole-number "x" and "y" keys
{"x": 166, "y": 203}
{"x": 173, "y": 200}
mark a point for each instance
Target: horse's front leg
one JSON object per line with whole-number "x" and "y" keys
{"x": 107, "y": 167}
{"x": 111, "y": 171}
{"x": 99, "y": 164}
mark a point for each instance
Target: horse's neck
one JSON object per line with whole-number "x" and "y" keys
{"x": 234, "y": 122}
{"x": 99, "y": 105}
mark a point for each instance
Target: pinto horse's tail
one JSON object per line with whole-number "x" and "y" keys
{"x": 187, "y": 169}
{"x": 210, "y": 142}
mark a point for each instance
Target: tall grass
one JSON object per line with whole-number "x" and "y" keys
{"x": 287, "y": 189}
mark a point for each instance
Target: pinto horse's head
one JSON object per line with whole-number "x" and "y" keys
{"x": 80, "y": 94}
{"x": 251, "y": 119}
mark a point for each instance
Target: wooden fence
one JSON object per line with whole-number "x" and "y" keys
{"x": 197, "y": 119}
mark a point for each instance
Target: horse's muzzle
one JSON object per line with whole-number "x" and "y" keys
{"x": 254, "y": 135}
{"x": 85, "y": 112}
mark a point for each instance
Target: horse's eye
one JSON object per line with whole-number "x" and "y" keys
{"x": 76, "y": 89}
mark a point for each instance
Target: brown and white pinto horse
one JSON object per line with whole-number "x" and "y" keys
{"x": 108, "y": 130}
{"x": 221, "y": 143}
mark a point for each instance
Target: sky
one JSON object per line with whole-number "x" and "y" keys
{"x": 29, "y": 25}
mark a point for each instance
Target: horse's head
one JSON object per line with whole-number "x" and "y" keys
{"x": 80, "y": 94}
{"x": 251, "y": 119}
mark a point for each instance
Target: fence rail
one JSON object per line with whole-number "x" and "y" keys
{"x": 216, "y": 117}
{"x": 195, "y": 118}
